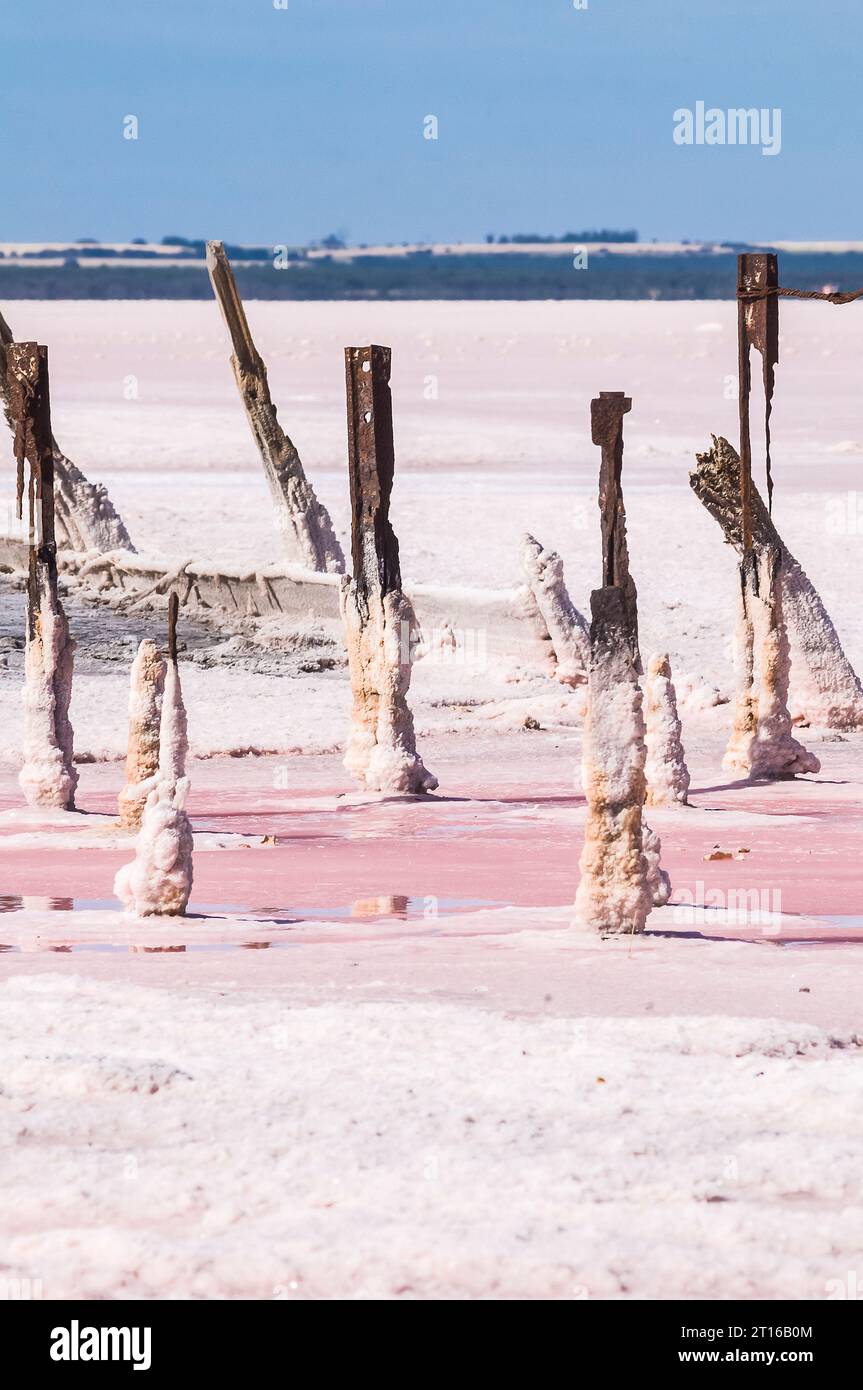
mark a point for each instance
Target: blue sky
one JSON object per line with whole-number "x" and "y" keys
{"x": 258, "y": 124}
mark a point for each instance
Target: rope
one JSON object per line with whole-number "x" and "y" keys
{"x": 832, "y": 297}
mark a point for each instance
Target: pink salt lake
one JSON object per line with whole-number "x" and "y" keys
{"x": 481, "y": 843}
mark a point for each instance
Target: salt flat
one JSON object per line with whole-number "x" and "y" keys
{"x": 383, "y": 1065}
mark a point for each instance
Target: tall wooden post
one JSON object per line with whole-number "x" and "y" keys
{"x": 380, "y": 624}
{"x": 48, "y": 776}
{"x": 31, "y": 408}
{"x": 606, "y": 418}
{"x": 758, "y": 327}
{"x": 620, "y": 875}
{"x": 371, "y": 469}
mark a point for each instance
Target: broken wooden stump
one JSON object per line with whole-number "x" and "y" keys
{"x": 84, "y": 515}
{"x": 761, "y": 743}
{"x": 379, "y": 620}
{"x": 666, "y": 771}
{"x": 48, "y": 776}
{"x": 606, "y": 420}
{"x": 621, "y": 879}
{"x": 146, "y": 688}
{"x": 158, "y": 881}
{"x": 825, "y": 689}
{"x": 567, "y": 629}
{"x": 302, "y": 520}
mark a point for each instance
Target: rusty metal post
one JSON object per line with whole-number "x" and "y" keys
{"x": 371, "y": 465}
{"x": 606, "y": 419}
{"x": 758, "y": 327}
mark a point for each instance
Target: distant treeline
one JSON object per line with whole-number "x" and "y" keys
{"x": 579, "y": 238}
{"x": 692, "y": 275}
{"x": 181, "y": 249}
{"x": 186, "y": 248}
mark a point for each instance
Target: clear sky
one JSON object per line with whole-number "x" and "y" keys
{"x": 282, "y": 125}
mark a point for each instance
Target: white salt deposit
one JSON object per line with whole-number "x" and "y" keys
{"x": 666, "y": 772}
{"x": 158, "y": 882}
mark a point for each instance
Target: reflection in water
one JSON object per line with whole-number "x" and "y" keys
{"x": 11, "y": 902}
{"x": 393, "y": 905}
{"x": 153, "y": 950}
{"x": 400, "y": 907}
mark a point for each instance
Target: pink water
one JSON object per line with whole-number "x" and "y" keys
{"x": 498, "y": 838}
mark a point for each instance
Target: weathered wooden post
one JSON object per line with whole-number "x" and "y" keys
{"x": 758, "y": 327}
{"x": 761, "y": 744}
{"x": 303, "y": 521}
{"x": 49, "y": 776}
{"x": 84, "y": 515}
{"x": 379, "y": 620}
{"x": 825, "y": 685}
{"x": 606, "y": 419}
{"x": 620, "y": 875}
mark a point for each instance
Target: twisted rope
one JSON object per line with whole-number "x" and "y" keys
{"x": 831, "y": 296}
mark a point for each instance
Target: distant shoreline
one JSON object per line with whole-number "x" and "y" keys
{"x": 602, "y": 271}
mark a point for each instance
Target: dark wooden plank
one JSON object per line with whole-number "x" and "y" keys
{"x": 606, "y": 418}
{"x": 758, "y": 327}
{"x": 30, "y": 404}
{"x": 371, "y": 467}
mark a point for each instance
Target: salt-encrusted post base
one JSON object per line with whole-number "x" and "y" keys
{"x": 146, "y": 687}
{"x": 49, "y": 776}
{"x": 381, "y": 750}
{"x": 666, "y": 772}
{"x": 761, "y": 743}
{"x": 158, "y": 882}
{"x": 614, "y": 893}
{"x": 380, "y": 627}
{"x": 570, "y": 638}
